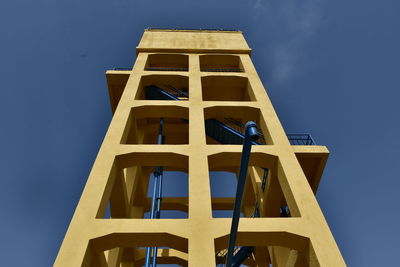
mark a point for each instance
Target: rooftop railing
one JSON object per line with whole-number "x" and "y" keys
{"x": 122, "y": 68}
{"x": 221, "y": 70}
{"x": 165, "y": 69}
{"x": 186, "y": 69}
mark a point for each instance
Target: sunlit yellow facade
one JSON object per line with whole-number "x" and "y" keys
{"x": 216, "y": 71}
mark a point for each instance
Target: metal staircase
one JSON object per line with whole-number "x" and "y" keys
{"x": 164, "y": 92}
{"x": 155, "y": 93}
{"x": 228, "y": 131}
{"x": 223, "y": 133}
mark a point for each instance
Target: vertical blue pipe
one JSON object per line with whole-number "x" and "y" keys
{"x": 149, "y": 250}
{"x": 160, "y": 136}
{"x": 148, "y": 254}
{"x": 156, "y": 200}
{"x": 251, "y": 134}
{"x": 158, "y": 209}
{"x": 159, "y": 196}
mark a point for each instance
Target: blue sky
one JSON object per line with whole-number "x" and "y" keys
{"x": 331, "y": 68}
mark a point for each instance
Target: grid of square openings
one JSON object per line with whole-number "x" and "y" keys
{"x": 224, "y": 86}
{"x": 215, "y": 87}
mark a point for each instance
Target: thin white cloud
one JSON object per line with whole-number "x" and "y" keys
{"x": 257, "y": 4}
{"x": 299, "y": 20}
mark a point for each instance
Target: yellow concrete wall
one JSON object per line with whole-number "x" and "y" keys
{"x": 304, "y": 239}
{"x": 193, "y": 41}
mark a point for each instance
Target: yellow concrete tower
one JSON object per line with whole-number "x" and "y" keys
{"x": 182, "y": 110}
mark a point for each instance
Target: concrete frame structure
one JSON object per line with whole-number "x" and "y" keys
{"x": 121, "y": 172}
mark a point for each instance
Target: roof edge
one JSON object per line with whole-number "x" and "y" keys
{"x": 192, "y": 50}
{"x": 192, "y": 30}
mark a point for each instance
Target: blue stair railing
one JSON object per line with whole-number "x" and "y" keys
{"x": 168, "y": 92}
{"x": 223, "y": 133}
{"x": 156, "y": 93}
{"x": 240, "y": 127}
{"x": 176, "y": 92}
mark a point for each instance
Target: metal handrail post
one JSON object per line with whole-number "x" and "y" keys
{"x": 251, "y": 135}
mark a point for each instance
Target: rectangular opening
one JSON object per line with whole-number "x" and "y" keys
{"x": 226, "y": 88}
{"x": 140, "y": 183}
{"x": 145, "y": 122}
{"x": 222, "y": 128}
{"x": 262, "y": 194}
{"x": 167, "y": 62}
{"x": 250, "y": 254}
{"x": 163, "y": 87}
{"x": 223, "y": 189}
{"x": 220, "y": 63}
{"x": 132, "y": 194}
{"x": 175, "y": 201}
{"x": 136, "y": 256}
{"x": 145, "y": 131}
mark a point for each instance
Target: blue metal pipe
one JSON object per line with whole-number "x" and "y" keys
{"x": 158, "y": 208}
{"x": 160, "y": 131}
{"x": 149, "y": 250}
{"x": 251, "y": 135}
{"x": 156, "y": 199}
{"x": 159, "y": 193}
{"x": 148, "y": 255}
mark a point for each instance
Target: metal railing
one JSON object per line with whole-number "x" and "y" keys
{"x": 165, "y": 69}
{"x": 184, "y": 69}
{"x": 165, "y": 92}
{"x": 122, "y": 68}
{"x": 239, "y": 126}
{"x": 221, "y": 70}
{"x": 301, "y": 139}
{"x": 176, "y": 92}
{"x": 155, "y": 69}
